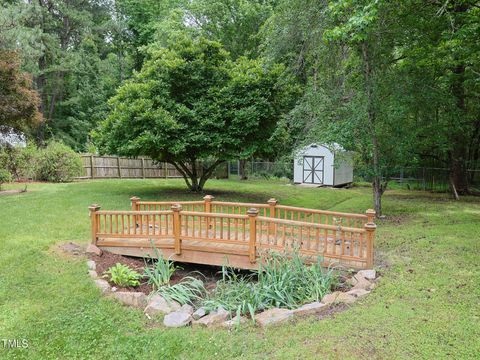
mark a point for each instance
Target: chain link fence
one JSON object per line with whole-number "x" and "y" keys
{"x": 412, "y": 178}
{"x": 263, "y": 169}
{"x": 423, "y": 178}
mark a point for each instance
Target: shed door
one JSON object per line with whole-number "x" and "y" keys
{"x": 313, "y": 169}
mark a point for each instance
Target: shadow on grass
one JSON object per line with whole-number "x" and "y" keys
{"x": 179, "y": 193}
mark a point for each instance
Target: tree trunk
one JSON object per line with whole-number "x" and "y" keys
{"x": 190, "y": 175}
{"x": 241, "y": 169}
{"x": 459, "y": 153}
{"x": 378, "y": 187}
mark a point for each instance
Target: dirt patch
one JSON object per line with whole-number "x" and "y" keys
{"x": 13, "y": 191}
{"x": 208, "y": 274}
{"x": 69, "y": 249}
{"x": 395, "y": 219}
{"x": 332, "y": 311}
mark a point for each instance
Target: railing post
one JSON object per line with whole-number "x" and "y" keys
{"x": 370, "y": 216}
{"x": 93, "y": 218}
{"x": 252, "y": 224}
{"x": 272, "y": 227}
{"x": 134, "y": 201}
{"x": 370, "y": 227}
{"x": 208, "y": 208}
{"x": 176, "y": 228}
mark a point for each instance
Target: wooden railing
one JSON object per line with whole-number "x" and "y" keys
{"x": 241, "y": 228}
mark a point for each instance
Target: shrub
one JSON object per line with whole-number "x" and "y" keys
{"x": 5, "y": 177}
{"x": 282, "y": 281}
{"x": 59, "y": 163}
{"x": 20, "y": 162}
{"x": 123, "y": 276}
{"x": 161, "y": 272}
{"x": 188, "y": 291}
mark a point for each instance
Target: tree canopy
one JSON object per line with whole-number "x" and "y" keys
{"x": 18, "y": 101}
{"x": 396, "y": 82}
{"x": 191, "y": 102}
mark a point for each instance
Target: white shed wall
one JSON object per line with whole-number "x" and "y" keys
{"x": 328, "y": 166}
{"x": 343, "y": 169}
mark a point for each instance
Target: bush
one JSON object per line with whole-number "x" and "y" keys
{"x": 285, "y": 282}
{"x": 5, "y": 177}
{"x": 123, "y": 276}
{"x": 59, "y": 163}
{"x": 20, "y": 162}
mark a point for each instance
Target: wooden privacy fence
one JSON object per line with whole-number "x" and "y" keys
{"x": 216, "y": 232}
{"x": 103, "y": 167}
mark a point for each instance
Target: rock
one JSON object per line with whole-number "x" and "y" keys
{"x": 368, "y": 274}
{"x": 214, "y": 318}
{"x": 358, "y": 292}
{"x": 310, "y": 309}
{"x": 177, "y": 319}
{"x": 338, "y": 296}
{"x": 233, "y": 322}
{"x": 114, "y": 289}
{"x": 91, "y": 265}
{"x": 199, "y": 313}
{"x": 330, "y": 298}
{"x": 362, "y": 283}
{"x": 345, "y": 298}
{"x": 187, "y": 309}
{"x": 93, "y": 274}
{"x": 94, "y": 250}
{"x": 103, "y": 285}
{"x": 136, "y": 299}
{"x": 158, "y": 305}
{"x": 72, "y": 248}
{"x": 273, "y": 316}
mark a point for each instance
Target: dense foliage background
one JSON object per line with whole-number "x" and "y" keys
{"x": 396, "y": 82}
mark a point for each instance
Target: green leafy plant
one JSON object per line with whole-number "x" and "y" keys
{"x": 160, "y": 273}
{"x": 282, "y": 281}
{"x": 123, "y": 275}
{"x": 5, "y": 177}
{"x": 188, "y": 291}
{"x": 59, "y": 163}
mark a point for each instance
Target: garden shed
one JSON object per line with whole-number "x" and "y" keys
{"x": 328, "y": 165}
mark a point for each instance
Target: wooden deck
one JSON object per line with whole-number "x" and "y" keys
{"x": 237, "y": 234}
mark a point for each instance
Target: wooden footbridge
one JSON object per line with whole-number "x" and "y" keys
{"x": 218, "y": 233}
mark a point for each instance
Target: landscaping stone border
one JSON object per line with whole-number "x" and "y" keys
{"x": 176, "y": 315}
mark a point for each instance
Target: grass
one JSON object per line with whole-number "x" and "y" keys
{"x": 426, "y": 305}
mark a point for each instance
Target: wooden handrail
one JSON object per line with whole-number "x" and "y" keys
{"x": 216, "y": 215}
{"x": 309, "y": 224}
{"x": 248, "y": 205}
{"x": 136, "y": 212}
{"x": 169, "y": 202}
{"x": 323, "y": 212}
{"x": 278, "y": 227}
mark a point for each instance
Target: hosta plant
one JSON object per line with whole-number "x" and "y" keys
{"x": 123, "y": 275}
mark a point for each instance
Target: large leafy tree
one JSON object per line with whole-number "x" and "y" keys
{"x": 18, "y": 100}
{"x": 395, "y": 82}
{"x": 191, "y": 102}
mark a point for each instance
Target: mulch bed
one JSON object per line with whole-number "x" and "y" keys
{"x": 208, "y": 274}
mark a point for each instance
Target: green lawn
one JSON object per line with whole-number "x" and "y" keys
{"x": 427, "y": 304}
